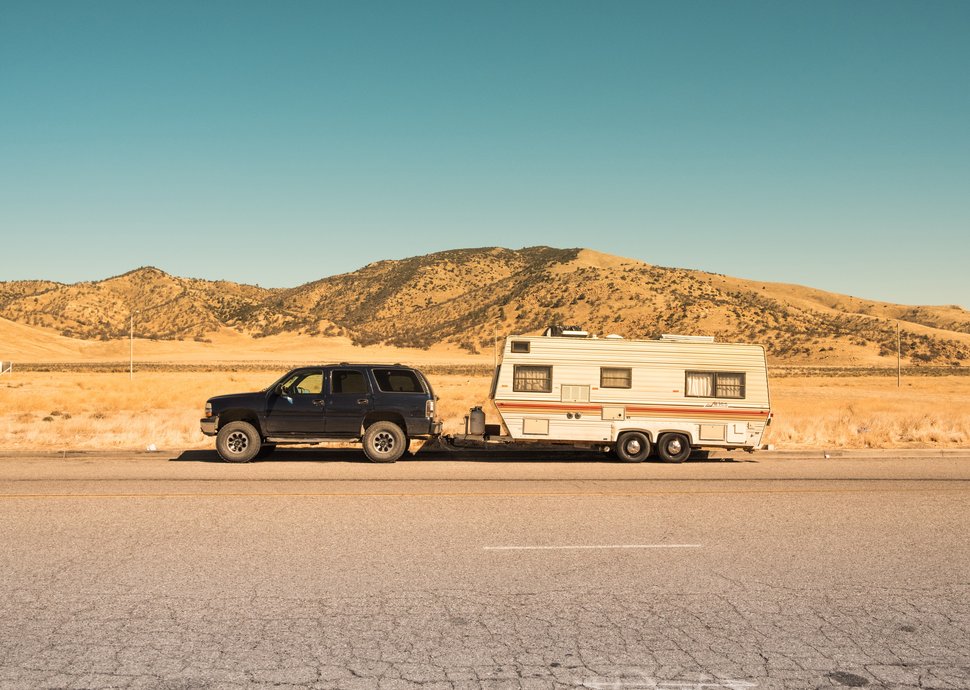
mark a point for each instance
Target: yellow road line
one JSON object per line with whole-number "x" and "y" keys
{"x": 454, "y": 494}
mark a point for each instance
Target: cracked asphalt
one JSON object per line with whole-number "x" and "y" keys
{"x": 316, "y": 570}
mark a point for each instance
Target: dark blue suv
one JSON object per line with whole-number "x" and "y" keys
{"x": 383, "y": 406}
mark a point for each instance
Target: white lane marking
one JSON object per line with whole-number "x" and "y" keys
{"x": 593, "y": 546}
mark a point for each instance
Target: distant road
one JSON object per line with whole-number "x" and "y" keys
{"x": 316, "y": 568}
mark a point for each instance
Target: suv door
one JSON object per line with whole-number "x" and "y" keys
{"x": 349, "y": 398}
{"x": 300, "y": 409}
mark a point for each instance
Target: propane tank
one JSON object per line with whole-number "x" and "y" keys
{"x": 476, "y": 422}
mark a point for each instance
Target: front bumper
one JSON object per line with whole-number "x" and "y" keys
{"x": 209, "y": 425}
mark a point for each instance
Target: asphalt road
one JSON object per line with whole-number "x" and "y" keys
{"x": 314, "y": 569}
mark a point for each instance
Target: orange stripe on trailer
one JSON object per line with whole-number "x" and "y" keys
{"x": 552, "y": 408}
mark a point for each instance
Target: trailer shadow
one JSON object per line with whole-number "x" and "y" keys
{"x": 356, "y": 455}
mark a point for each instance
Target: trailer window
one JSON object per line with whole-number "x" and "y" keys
{"x": 616, "y": 378}
{"x": 521, "y": 346}
{"x": 714, "y": 384}
{"x": 532, "y": 379}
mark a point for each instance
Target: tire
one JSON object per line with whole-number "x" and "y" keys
{"x": 633, "y": 446}
{"x": 238, "y": 442}
{"x": 266, "y": 450}
{"x": 384, "y": 442}
{"x": 673, "y": 447}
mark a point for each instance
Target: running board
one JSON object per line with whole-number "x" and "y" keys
{"x": 292, "y": 439}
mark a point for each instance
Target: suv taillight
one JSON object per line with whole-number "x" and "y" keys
{"x": 208, "y": 410}
{"x": 429, "y": 409}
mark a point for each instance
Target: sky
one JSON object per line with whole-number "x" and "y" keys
{"x": 278, "y": 142}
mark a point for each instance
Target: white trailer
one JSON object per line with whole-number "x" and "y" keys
{"x": 632, "y": 396}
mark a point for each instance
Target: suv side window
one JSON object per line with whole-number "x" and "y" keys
{"x": 305, "y": 383}
{"x": 348, "y": 381}
{"x": 397, "y": 381}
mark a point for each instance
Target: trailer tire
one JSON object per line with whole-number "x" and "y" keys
{"x": 238, "y": 442}
{"x": 633, "y": 446}
{"x": 673, "y": 447}
{"x": 384, "y": 442}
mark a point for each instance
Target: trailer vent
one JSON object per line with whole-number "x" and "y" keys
{"x": 688, "y": 338}
{"x": 575, "y": 393}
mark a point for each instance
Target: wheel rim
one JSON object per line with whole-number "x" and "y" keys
{"x": 383, "y": 442}
{"x": 237, "y": 442}
{"x": 632, "y": 446}
{"x": 674, "y": 446}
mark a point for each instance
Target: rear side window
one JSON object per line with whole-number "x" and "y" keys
{"x": 398, "y": 381}
{"x": 347, "y": 381}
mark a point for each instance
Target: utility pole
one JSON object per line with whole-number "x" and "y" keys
{"x": 131, "y": 352}
{"x": 899, "y": 366}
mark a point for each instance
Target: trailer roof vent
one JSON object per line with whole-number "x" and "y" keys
{"x": 688, "y": 338}
{"x": 565, "y": 332}
{"x": 614, "y": 336}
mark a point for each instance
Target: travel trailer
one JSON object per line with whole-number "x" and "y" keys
{"x": 632, "y": 397}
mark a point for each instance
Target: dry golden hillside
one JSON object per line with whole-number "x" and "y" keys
{"x": 166, "y": 306}
{"x": 465, "y": 298}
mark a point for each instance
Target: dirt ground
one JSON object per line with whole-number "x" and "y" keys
{"x": 103, "y": 410}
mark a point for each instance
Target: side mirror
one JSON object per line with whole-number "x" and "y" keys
{"x": 280, "y": 389}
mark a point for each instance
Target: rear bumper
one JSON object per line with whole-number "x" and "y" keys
{"x": 209, "y": 426}
{"x": 420, "y": 428}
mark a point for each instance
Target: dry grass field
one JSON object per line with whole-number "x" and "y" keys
{"x": 69, "y": 410}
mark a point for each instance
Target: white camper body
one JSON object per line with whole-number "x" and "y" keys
{"x": 626, "y": 394}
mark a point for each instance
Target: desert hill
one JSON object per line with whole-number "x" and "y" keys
{"x": 467, "y": 297}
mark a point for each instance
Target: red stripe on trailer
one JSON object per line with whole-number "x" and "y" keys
{"x": 547, "y": 407}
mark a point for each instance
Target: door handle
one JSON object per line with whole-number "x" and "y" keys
{"x": 319, "y": 403}
{"x": 362, "y": 401}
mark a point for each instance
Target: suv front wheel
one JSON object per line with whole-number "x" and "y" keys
{"x": 384, "y": 442}
{"x": 238, "y": 442}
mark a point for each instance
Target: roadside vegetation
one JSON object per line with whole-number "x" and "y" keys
{"x": 73, "y": 407}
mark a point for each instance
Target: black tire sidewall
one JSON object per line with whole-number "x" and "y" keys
{"x": 644, "y": 447}
{"x": 400, "y": 442}
{"x": 669, "y": 457}
{"x": 252, "y": 450}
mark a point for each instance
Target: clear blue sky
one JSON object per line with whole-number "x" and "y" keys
{"x": 278, "y": 142}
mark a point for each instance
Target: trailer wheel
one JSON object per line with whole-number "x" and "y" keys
{"x": 384, "y": 442}
{"x": 673, "y": 447}
{"x": 632, "y": 446}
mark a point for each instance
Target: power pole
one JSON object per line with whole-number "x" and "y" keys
{"x": 899, "y": 366}
{"x": 131, "y": 352}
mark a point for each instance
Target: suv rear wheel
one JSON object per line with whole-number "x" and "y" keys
{"x": 238, "y": 442}
{"x": 384, "y": 442}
